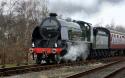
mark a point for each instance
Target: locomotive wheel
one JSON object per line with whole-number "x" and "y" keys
{"x": 64, "y": 52}
{"x": 124, "y": 52}
{"x": 38, "y": 59}
{"x": 78, "y": 59}
{"x": 50, "y": 59}
{"x": 58, "y": 59}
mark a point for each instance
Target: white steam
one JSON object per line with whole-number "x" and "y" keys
{"x": 76, "y": 51}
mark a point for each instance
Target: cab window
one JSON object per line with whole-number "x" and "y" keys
{"x": 75, "y": 35}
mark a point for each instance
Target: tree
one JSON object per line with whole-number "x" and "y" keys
{"x": 16, "y": 26}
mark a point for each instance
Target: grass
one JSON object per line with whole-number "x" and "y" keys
{"x": 12, "y": 65}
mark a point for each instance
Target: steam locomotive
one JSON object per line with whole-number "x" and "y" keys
{"x": 52, "y": 39}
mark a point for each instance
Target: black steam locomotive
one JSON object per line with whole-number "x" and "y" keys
{"x": 52, "y": 39}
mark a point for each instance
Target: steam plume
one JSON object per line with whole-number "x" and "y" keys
{"x": 77, "y": 51}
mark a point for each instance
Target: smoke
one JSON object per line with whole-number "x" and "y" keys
{"x": 76, "y": 51}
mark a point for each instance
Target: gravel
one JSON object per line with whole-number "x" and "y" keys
{"x": 58, "y": 73}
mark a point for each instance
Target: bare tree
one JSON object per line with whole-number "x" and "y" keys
{"x": 118, "y": 28}
{"x": 16, "y": 27}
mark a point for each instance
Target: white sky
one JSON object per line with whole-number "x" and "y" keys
{"x": 110, "y": 14}
{"x": 94, "y": 11}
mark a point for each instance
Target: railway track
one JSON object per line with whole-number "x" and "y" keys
{"x": 26, "y": 69}
{"x": 32, "y": 68}
{"x": 107, "y": 71}
{"x": 117, "y": 74}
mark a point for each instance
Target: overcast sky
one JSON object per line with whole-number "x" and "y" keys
{"x": 93, "y": 11}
